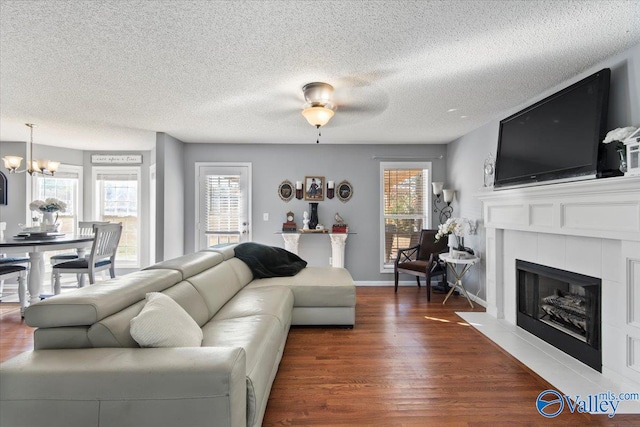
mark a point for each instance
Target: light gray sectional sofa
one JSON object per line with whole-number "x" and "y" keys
{"x": 87, "y": 370}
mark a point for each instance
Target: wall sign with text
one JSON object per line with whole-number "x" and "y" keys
{"x": 116, "y": 159}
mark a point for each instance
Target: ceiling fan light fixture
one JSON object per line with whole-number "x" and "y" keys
{"x": 318, "y": 116}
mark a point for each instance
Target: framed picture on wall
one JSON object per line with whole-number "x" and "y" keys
{"x": 314, "y": 188}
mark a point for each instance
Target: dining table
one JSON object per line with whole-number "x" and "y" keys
{"x": 36, "y": 246}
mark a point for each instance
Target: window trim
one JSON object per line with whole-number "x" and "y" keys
{"x": 75, "y": 169}
{"x": 95, "y": 210}
{"x": 200, "y": 167}
{"x": 428, "y": 214}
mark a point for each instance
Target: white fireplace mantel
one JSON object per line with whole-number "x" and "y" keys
{"x": 590, "y": 227}
{"x": 606, "y": 208}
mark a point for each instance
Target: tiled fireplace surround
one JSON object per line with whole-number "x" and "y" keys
{"x": 590, "y": 227}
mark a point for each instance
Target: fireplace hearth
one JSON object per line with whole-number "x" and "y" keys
{"x": 561, "y": 308}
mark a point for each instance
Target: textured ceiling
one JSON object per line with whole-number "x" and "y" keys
{"x": 109, "y": 74}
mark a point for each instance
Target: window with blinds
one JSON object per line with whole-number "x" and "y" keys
{"x": 117, "y": 199}
{"x": 223, "y": 206}
{"x": 404, "y": 207}
{"x": 66, "y": 186}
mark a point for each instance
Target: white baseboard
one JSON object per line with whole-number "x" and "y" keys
{"x": 474, "y": 298}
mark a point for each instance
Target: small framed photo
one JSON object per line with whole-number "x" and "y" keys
{"x": 344, "y": 191}
{"x": 285, "y": 190}
{"x": 314, "y": 188}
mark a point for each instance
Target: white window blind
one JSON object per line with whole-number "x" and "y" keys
{"x": 405, "y": 212}
{"x": 223, "y": 204}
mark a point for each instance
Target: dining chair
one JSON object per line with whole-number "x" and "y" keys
{"x": 16, "y": 272}
{"x": 6, "y": 260}
{"x": 85, "y": 228}
{"x": 102, "y": 256}
{"x": 422, "y": 260}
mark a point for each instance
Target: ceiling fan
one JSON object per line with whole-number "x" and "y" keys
{"x": 353, "y": 96}
{"x": 319, "y": 108}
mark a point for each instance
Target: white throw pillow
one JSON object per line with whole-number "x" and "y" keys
{"x": 163, "y": 323}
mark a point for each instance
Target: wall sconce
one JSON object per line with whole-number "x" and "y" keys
{"x": 331, "y": 189}
{"x": 299, "y": 190}
{"x": 443, "y": 197}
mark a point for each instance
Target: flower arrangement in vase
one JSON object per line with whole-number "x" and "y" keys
{"x": 455, "y": 229}
{"x": 48, "y": 208}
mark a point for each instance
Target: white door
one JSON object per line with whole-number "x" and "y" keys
{"x": 224, "y": 203}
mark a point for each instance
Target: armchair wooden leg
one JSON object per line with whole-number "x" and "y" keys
{"x": 428, "y": 280}
{"x": 395, "y": 276}
{"x": 418, "y": 280}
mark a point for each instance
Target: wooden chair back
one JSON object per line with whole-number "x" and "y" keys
{"x": 105, "y": 242}
{"x": 428, "y": 244}
{"x": 85, "y": 228}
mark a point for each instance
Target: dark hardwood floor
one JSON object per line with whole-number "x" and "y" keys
{"x": 406, "y": 363}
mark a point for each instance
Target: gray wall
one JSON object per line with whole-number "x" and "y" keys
{"x": 271, "y": 164}
{"x": 466, "y": 155}
{"x": 14, "y": 212}
{"x": 170, "y": 200}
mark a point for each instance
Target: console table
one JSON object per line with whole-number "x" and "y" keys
{"x": 338, "y": 243}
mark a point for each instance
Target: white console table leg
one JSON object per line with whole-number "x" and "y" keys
{"x": 291, "y": 241}
{"x": 338, "y": 243}
{"x": 34, "y": 281}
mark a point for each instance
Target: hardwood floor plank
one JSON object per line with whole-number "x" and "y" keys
{"x": 406, "y": 363}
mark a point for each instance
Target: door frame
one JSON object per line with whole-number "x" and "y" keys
{"x": 201, "y": 165}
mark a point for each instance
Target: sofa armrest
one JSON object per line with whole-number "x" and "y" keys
{"x": 126, "y": 386}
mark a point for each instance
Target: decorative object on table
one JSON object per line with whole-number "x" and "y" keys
{"x": 632, "y": 148}
{"x": 442, "y": 201}
{"x": 612, "y": 153}
{"x": 319, "y": 227}
{"x": 48, "y": 208}
{"x": 455, "y": 229}
{"x": 305, "y": 220}
{"x": 339, "y": 226}
{"x": 331, "y": 189}
{"x": 489, "y": 170}
{"x": 299, "y": 190}
{"x": 314, "y": 188}
{"x": 43, "y": 166}
{"x": 3, "y": 189}
{"x": 285, "y": 190}
{"x": 313, "y": 221}
{"x": 290, "y": 225}
{"x": 345, "y": 191}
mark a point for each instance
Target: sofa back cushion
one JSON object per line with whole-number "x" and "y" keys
{"x": 88, "y": 305}
{"x": 114, "y": 331}
{"x": 217, "y": 285}
{"x": 190, "y": 264}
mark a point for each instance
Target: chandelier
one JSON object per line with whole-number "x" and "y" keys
{"x": 43, "y": 166}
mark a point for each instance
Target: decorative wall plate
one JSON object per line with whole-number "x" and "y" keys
{"x": 344, "y": 191}
{"x": 286, "y": 190}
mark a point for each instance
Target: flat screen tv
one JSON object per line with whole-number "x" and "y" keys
{"x": 556, "y": 138}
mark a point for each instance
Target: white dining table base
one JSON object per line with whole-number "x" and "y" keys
{"x": 36, "y": 249}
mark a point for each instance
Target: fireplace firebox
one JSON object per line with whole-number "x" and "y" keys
{"x": 562, "y": 308}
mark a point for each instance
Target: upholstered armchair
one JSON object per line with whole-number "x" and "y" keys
{"x": 422, "y": 260}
